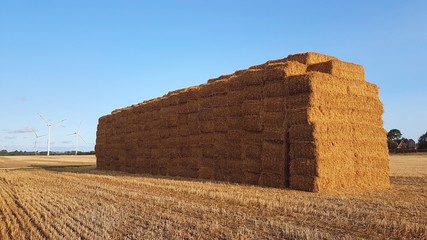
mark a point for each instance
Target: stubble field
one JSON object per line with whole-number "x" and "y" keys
{"x": 48, "y": 202}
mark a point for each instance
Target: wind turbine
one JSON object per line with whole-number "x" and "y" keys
{"x": 49, "y": 126}
{"x": 77, "y": 135}
{"x": 36, "y": 141}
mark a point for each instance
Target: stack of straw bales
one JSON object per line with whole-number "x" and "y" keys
{"x": 308, "y": 121}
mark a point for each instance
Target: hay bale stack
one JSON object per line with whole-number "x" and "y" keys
{"x": 308, "y": 121}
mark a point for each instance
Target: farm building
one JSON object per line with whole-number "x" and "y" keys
{"x": 308, "y": 122}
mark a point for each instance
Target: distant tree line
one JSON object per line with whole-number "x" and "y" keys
{"x": 32, "y": 153}
{"x": 394, "y": 137}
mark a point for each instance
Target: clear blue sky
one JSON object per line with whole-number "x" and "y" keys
{"x": 79, "y": 60}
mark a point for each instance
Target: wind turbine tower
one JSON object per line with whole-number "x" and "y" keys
{"x": 77, "y": 135}
{"x": 36, "y": 141}
{"x": 49, "y": 126}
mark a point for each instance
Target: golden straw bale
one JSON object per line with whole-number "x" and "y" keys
{"x": 339, "y": 69}
{"x": 212, "y": 89}
{"x": 222, "y": 77}
{"x": 309, "y": 58}
{"x": 250, "y": 77}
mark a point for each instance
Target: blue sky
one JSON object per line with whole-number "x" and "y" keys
{"x": 79, "y": 60}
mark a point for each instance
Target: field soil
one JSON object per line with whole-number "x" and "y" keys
{"x": 85, "y": 203}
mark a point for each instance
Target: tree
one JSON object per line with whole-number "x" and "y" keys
{"x": 422, "y": 141}
{"x": 394, "y": 134}
{"x": 392, "y": 145}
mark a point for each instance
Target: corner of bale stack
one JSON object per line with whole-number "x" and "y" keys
{"x": 341, "y": 145}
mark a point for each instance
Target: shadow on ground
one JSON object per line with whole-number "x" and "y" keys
{"x": 91, "y": 169}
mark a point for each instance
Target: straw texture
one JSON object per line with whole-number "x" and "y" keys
{"x": 308, "y": 122}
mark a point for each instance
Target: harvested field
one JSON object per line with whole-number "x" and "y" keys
{"x": 44, "y": 161}
{"x": 86, "y": 203}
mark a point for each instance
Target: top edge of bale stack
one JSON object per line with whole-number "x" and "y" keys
{"x": 304, "y": 62}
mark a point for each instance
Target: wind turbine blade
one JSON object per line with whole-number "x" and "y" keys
{"x": 71, "y": 134}
{"x": 35, "y": 133}
{"x": 43, "y": 118}
{"x": 58, "y": 122}
{"x": 82, "y": 138}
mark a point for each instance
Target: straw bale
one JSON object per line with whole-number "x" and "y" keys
{"x": 221, "y": 112}
{"x": 252, "y": 123}
{"x": 235, "y": 98}
{"x": 294, "y": 68}
{"x": 250, "y": 77}
{"x": 251, "y": 165}
{"x": 299, "y": 101}
{"x": 206, "y": 173}
{"x": 305, "y": 183}
{"x": 302, "y": 150}
{"x": 298, "y": 116}
{"x": 339, "y": 69}
{"x": 237, "y": 83}
{"x": 309, "y": 58}
{"x": 350, "y": 116}
{"x": 273, "y": 73}
{"x": 220, "y": 125}
{"x": 234, "y": 165}
{"x": 301, "y": 132}
{"x": 274, "y": 134}
{"x": 251, "y": 150}
{"x": 275, "y": 89}
{"x": 272, "y": 179}
{"x": 207, "y": 126}
{"x": 237, "y": 177}
{"x": 326, "y": 82}
{"x": 273, "y": 156}
{"x": 206, "y": 114}
{"x": 253, "y": 92}
{"x": 251, "y": 107}
{"x": 234, "y": 123}
{"x": 251, "y": 178}
{"x": 276, "y": 104}
{"x": 222, "y": 77}
{"x": 182, "y": 119}
{"x": 212, "y": 89}
{"x": 273, "y": 119}
{"x": 343, "y": 101}
{"x": 187, "y": 95}
{"x": 209, "y": 152}
{"x": 303, "y": 167}
{"x": 213, "y": 101}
